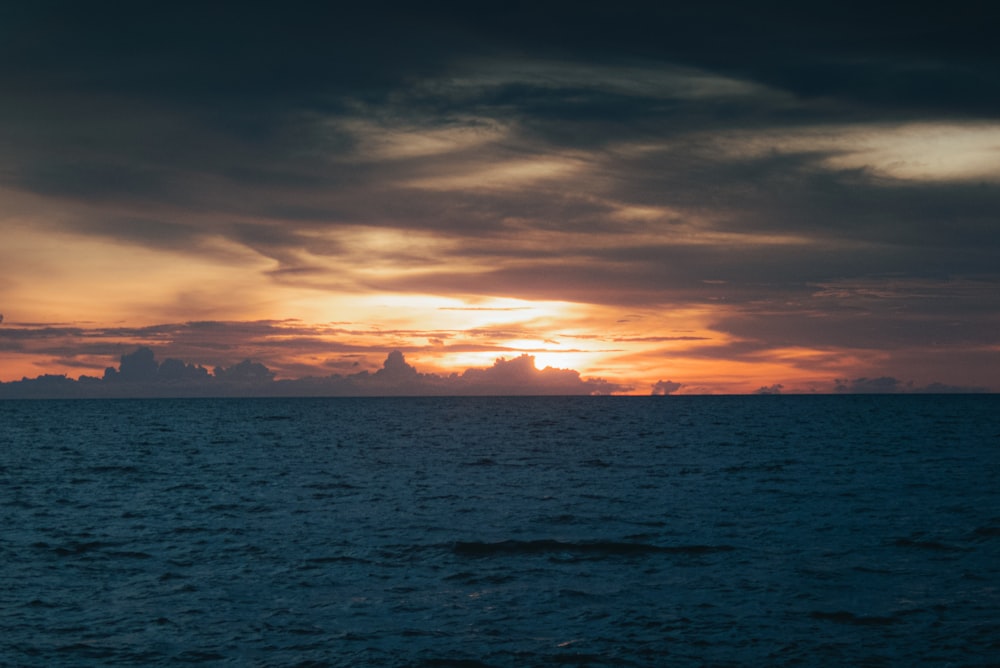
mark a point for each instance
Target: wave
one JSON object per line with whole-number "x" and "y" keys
{"x": 337, "y": 559}
{"x": 845, "y": 617}
{"x": 78, "y": 548}
{"x": 111, "y": 468}
{"x": 989, "y": 531}
{"x": 927, "y": 545}
{"x": 482, "y": 461}
{"x": 597, "y": 548}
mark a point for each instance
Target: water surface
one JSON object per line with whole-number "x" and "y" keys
{"x": 603, "y": 531}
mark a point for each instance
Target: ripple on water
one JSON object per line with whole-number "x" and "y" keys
{"x": 501, "y": 532}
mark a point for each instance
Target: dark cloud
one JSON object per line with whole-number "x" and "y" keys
{"x": 141, "y": 367}
{"x": 173, "y": 370}
{"x": 193, "y": 51}
{"x": 140, "y": 375}
{"x": 246, "y": 372}
{"x": 889, "y": 385}
{"x": 176, "y": 158}
{"x": 886, "y": 313}
{"x": 944, "y": 388}
{"x": 225, "y": 345}
{"x": 657, "y": 339}
{"x": 94, "y": 181}
{"x": 665, "y": 387}
{"x": 138, "y": 367}
{"x": 519, "y": 376}
{"x": 146, "y": 232}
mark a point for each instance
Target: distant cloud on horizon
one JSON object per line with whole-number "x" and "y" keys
{"x": 890, "y": 385}
{"x": 665, "y": 387}
{"x": 140, "y": 375}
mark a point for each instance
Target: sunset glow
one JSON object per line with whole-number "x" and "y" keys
{"x": 634, "y": 210}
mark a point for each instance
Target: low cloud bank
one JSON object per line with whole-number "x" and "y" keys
{"x": 890, "y": 385}
{"x": 139, "y": 374}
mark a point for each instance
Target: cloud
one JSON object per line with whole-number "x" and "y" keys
{"x": 138, "y": 367}
{"x": 174, "y": 370}
{"x": 140, "y": 375}
{"x": 759, "y": 179}
{"x": 290, "y": 347}
{"x": 515, "y": 375}
{"x": 820, "y": 180}
{"x": 944, "y": 388}
{"x": 247, "y": 371}
{"x": 888, "y": 384}
{"x": 665, "y": 387}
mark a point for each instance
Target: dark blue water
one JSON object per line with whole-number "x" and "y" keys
{"x": 683, "y": 531}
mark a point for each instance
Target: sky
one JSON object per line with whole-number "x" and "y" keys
{"x": 658, "y": 197}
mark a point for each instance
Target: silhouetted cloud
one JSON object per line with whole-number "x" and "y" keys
{"x": 247, "y": 371}
{"x": 887, "y": 385}
{"x": 665, "y": 387}
{"x": 137, "y": 367}
{"x": 175, "y": 370}
{"x": 395, "y": 369}
{"x": 881, "y": 385}
{"x": 515, "y": 375}
{"x": 140, "y": 375}
{"x": 944, "y": 388}
{"x": 225, "y": 343}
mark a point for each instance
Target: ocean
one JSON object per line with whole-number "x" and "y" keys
{"x": 858, "y": 530}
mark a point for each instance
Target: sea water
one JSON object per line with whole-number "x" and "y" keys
{"x": 591, "y": 531}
